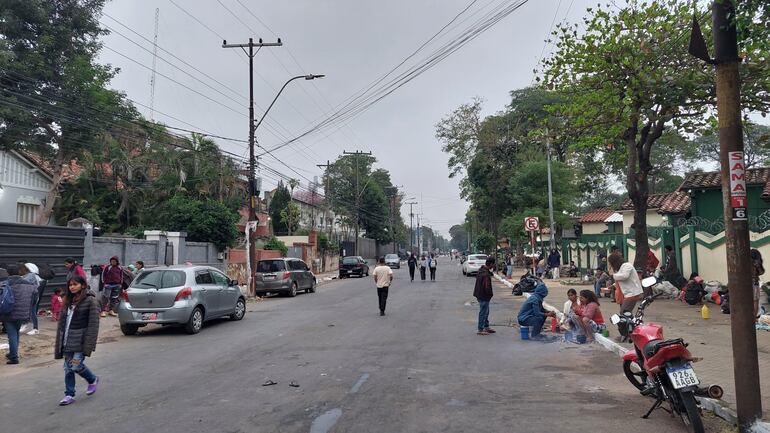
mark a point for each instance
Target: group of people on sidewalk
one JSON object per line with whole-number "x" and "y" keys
{"x": 427, "y": 264}
{"x": 76, "y": 309}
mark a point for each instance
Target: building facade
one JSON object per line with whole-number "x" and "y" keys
{"x": 24, "y": 186}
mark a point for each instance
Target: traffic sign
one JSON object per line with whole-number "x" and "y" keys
{"x": 531, "y": 224}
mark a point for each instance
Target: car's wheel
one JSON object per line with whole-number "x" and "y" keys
{"x": 465, "y": 273}
{"x": 293, "y": 291}
{"x": 129, "y": 329}
{"x": 240, "y": 310}
{"x": 260, "y": 294}
{"x": 313, "y": 286}
{"x": 195, "y": 322}
{"x": 367, "y": 273}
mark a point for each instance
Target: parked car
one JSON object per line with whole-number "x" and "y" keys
{"x": 285, "y": 276}
{"x": 353, "y": 265}
{"x": 473, "y": 263}
{"x": 393, "y": 261}
{"x": 179, "y": 295}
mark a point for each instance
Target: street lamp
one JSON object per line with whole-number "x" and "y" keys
{"x": 306, "y": 77}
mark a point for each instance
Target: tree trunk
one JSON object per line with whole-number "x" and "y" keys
{"x": 638, "y": 191}
{"x": 53, "y": 193}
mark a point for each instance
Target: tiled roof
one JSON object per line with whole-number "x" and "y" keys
{"x": 654, "y": 201}
{"x": 711, "y": 179}
{"x": 596, "y": 216}
{"x": 676, "y": 202}
{"x": 614, "y": 218}
{"x": 307, "y": 197}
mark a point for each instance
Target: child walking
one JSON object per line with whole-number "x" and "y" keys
{"x": 76, "y": 336}
{"x": 56, "y": 303}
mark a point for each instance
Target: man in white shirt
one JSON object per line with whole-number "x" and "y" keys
{"x": 383, "y": 275}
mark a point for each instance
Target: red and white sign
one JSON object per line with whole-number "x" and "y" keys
{"x": 531, "y": 224}
{"x": 738, "y": 200}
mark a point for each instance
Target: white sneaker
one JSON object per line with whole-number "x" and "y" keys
{"x": 25, "y": 328}
{"x": 33, "y": 332}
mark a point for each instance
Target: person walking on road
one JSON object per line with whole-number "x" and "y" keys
{"x": 554, "y": 261}
{"x": 432, "y": 266}
{"x": 423, "y": 267}
{"x": 76, "y": 336}
{"x": 383, "y": 276}
{"x": 24, "y": 293}
{"x": 112, "y": 283}
{"x": 482, "y": 291}
{"x": 412, "y": 263}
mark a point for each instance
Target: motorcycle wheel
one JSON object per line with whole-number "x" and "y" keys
{"x": 690, "y": 413}
{"x": 635, "y": 374}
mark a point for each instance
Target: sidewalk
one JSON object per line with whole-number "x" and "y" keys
{"x": 708, "y": 339}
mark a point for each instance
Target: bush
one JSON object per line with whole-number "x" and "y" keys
{"x": 203, "y": 220}
{"x": 276, "y": 245}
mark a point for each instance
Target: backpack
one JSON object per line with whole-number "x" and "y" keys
{"x": 7, "y": 300}
{"x": 433, "y": 263}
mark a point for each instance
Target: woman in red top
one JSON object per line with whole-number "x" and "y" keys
{"x": 591, "y": 319}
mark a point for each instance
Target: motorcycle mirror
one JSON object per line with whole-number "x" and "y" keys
{"x": 615, "y": 319}
{"x": 649, "y": 282}
{"x": 628, "y": 314}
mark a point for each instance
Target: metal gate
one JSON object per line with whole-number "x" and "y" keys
{"x": 43, "y": 246}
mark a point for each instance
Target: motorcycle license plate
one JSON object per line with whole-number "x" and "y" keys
{"x": 682, "y": 376}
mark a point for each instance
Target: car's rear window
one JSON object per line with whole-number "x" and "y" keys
{"x": 159, "y": 279}
{"x": 349, "y": 260}
{"x": 270, "y": 266}
{"x": 477, "y": 257}
{"x": 391, "y": 257}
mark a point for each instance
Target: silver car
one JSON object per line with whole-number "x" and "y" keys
{"x": 179, "y": 295}
{"x": 393, "y": 261}
{"x": 286, "y": 276}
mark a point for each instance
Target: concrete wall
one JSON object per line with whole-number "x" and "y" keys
{"x": 291, "y": 240}
{"x": 594, "y": 228}
{"x": 653, "y": 219}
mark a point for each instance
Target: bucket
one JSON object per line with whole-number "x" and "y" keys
{"x": 581, "y": 339}
{"x": 524, "y": 332}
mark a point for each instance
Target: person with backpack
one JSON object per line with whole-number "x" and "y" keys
{"x": 423, "y": 267}
{"x": 432, "y": 266}
{"x": 15, "y": 307}
{"x": 112, "y": 283}
{"x": 76, "y": 336}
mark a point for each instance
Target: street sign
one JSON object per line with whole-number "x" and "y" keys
{"x": 738, "y": 186}
{"x": 531, "y": 224}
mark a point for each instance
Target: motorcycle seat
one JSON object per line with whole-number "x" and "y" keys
{"x": 655, "y": 345}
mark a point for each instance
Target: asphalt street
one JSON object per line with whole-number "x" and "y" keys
{"x": 421, "y": 368}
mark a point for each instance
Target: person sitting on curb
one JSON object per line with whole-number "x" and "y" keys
{"x": 571, "y": 306}
{"x": 533, "y": 314}
{"x": 590, "y": 320}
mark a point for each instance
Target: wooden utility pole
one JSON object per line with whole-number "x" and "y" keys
{"x": 327, "y": 195}
{"x": 733, "y": 168}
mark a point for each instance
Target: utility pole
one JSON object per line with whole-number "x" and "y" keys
{"x": 732, "y": 162}
{"x": 419, "y": 242}
{"x": 411, "y": 225}
{"x": 392, "y": 193}
{"x": 154, "y": 63}
{"x": 358, "y": 193}
{"x": 550, "y": 192}
{"x": 253, "y": 189}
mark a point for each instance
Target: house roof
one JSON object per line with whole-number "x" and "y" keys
{"x": 614, "y": 218}
{"x": 596, "y": 216}
{"x": 670, "y": 202}
{"x": 307, "y": 197}
{"x": 711, "y": 179}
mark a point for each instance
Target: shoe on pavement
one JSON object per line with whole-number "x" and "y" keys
{"x": 113, "y": 314}
{"x": 103, "y": 314}
{"x": 92, "y": 387}
{"x": 490, "y": 330}
{"x": 33, "y": 332}
{"x": 67, "y": 400}
{"x": 12, "y": 361}
{"x": 482, "y": 332}
{"x": 382, "y": 313}
{"x": 26, "y": 327}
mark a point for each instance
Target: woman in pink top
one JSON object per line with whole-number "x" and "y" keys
{"x": 590, "y": 319}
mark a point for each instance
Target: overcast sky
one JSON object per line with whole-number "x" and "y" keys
{"x": 353, "y": 42}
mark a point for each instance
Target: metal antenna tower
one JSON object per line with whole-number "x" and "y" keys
{"x": 154, "y": 61}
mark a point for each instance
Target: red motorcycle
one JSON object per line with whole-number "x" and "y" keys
{"x": 662, "y": 369}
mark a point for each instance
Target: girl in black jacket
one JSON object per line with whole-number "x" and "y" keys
{"x": 76, "y": 336}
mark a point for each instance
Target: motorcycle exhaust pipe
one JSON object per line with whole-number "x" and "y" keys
{"x": 712, "y": 391}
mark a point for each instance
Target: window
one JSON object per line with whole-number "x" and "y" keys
{"x": 220, "y": 279}
{"x": 159, "y": 280}
{"x": 26, "y": 213}
{"x": 203, "y": 277}
{"x": 270, "y": 266}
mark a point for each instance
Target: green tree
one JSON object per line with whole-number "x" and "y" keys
{"x": 290, "y": 216}
{"x": 54, "y": 97}
{"x": 459, "y": 236}
{"x": 486, "y": 242}
{"x": 628, "y": 81}
{"x": 278, "y": 202}
{"x": 203, "y": 220}
{"x": 276, "y": 245}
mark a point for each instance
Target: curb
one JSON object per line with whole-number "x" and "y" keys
{"x": 709, "y": 404}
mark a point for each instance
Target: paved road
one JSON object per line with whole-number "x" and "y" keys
{"x": 421, "y": 368}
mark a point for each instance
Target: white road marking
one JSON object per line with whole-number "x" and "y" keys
{"x": 326, "y": 421}
{"x": 360, "y": 382}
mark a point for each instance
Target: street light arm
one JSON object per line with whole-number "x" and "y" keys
{"x": 307, "y": 77}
